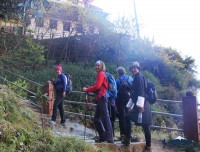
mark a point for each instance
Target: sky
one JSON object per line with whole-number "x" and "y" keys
{"x": 171, "y": 23}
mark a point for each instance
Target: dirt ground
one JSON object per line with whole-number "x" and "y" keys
{"x": 157, "y": 146}
{"x": 73, "y": 128}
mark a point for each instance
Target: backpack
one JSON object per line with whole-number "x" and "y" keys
{"x": 124, "y": 86}
{"x": 112, "y": 85}
{"x": 151, "y": 93}
{"x": 68, "y": 82}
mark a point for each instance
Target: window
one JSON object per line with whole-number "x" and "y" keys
{"x": 66, "y": 26}
{"x": 79, "y": 28}
{"x": 39, "y": 22}
{"x": 53, "y": 24}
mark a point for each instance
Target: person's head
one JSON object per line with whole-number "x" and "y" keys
{"x": 121, "y": 71}
{"x": 189, "y": 93}
{"x": 58, "y": 69}
{"x": 100, "y": 66}
{"x": 134, "y": 68}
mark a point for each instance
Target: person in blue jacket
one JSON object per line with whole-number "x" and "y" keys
{"x": 124, "y": 83}
{"x": 60, "y": 87}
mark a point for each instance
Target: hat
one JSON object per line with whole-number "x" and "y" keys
{"x": 134, "y": 64}
{"x": 59, "y": 67}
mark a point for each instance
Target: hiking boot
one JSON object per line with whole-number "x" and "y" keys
{"x": 121, "y": 137}
{"x": 99, "y": 140}
{"x": 63, "y": 124}
{"x": 126, "y": 141}
{"x": 52, "y": 123}
{"x": 135, "y": 138}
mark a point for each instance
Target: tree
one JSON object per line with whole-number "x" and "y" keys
{"x": 20, "y": 52}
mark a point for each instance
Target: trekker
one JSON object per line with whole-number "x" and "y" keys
{"x": 60, "y": 87}
{"x": 101, "y": 116}
{"x": 140, "y": 113}
{"x": 112, "y": 112}
{"x": 124, "y": 83}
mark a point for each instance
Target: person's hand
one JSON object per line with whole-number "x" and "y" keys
{"x": 141, "y": 109}
{"x": 53, "y": 79}
{"x": 63, "y": 94}
{"x": 129, "y": 109}
{"x": 84, "y": 89}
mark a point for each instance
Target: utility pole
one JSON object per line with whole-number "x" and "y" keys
{"x": 136, "y": 19}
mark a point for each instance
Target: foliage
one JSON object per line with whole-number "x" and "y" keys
{"x": 16, "y": 87}
{"x": 9, "y": 9}
{"x": 20, "y": 130}
{"x": 21, "y": 52}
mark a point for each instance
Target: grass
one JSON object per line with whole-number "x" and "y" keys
{"x": 20, "y": 131}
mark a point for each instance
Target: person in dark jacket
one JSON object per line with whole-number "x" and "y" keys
{"x": 140, "y": 105}
{"x": 124, "y": 83}
{"x": 60, "y": 87}
{"x": 101, "y": 117}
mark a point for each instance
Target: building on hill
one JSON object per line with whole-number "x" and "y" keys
{"x": 62, "y": 19}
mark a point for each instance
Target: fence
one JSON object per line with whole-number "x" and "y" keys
{"x": 189, "y": 103}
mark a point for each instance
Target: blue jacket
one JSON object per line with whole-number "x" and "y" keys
{"x": 123, "y": 78}
{"x": 60, "y": 83}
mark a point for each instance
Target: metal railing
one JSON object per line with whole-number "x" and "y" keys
{"x": 153, "y": 112}
{"x": 92, "y": 104}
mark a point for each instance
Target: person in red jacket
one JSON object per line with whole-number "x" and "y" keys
{"x": 101, "y": 118}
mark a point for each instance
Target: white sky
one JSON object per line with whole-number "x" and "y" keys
{"x": 174, "y": 23}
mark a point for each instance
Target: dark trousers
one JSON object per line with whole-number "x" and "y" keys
{"x": 102, "y": 121}
{"x": 122, "y": 111}
{"x": 58, "y": 105}
{"x": 112, "y": 113}
{"x": 146, "y": 129}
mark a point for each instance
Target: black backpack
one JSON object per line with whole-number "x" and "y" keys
{"x": 151, "y": 93}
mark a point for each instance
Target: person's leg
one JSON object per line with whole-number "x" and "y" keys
{"x": 61, "y": 110}
{"x": 127, "y": 138}
{"x": 112, "y": 113}
{"x": 55, "y": 107}
{"x": 112, "y": 118}
{"x": 121, "y": 117}
{"x": 105, "y": 118}
{"x": 98, "y": 124}
{"x": 147, "y": 134}
{"x": 128, "y": 129}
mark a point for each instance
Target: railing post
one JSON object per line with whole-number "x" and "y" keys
{"x": 48, "y": 106}
{"x": 190, "y": 117}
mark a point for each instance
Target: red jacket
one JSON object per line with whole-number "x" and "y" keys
{"x": 100, "y": 87}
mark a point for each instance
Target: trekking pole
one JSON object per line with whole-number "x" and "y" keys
{"x": 87, "y": 106}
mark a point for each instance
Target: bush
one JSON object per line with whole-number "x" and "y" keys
{"x": 20, "y": 131}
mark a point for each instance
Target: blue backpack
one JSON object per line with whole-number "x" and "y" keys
{"x": 112, "y": 85}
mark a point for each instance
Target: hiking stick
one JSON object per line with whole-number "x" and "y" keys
{"x": 87, "y": 106}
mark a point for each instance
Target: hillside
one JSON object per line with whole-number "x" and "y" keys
{"x": 20, "y": 130}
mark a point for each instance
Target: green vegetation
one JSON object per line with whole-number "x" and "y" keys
{"x": 172, "y": 74}
{"x": 20, "y": 52}
{"x": 20, "y": 131}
